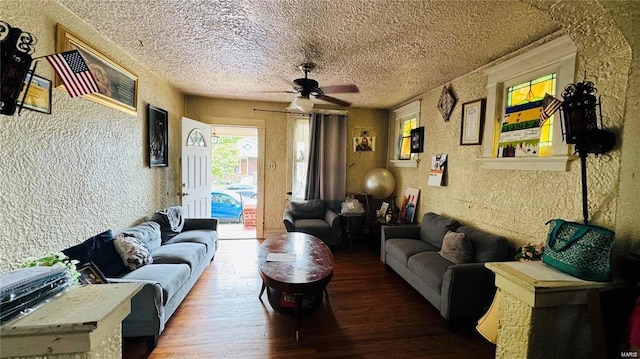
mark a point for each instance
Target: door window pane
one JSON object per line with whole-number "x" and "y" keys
{"x": 301, "y": 138}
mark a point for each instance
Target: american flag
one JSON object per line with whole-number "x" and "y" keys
{"x": 550, "y": 105}
{"x": 74, "y": 72}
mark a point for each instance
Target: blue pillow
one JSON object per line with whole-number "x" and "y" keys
{"x": 100, "y": 250}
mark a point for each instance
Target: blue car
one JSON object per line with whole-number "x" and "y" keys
{"x": 245, "y": 190}
{"x": 226, "y": 206}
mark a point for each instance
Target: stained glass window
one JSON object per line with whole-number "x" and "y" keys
{"x": 195, "y": 139}
{"x": 523, "y": 133}
{"x": 405, "y": 137}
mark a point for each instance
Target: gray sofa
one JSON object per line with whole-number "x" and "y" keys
{"x": 461, "y": 292}
{"x": 179, "y": 251}
{"x": 314, "y": 217}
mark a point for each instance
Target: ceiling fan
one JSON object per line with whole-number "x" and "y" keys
{"x": 308, "y": 87}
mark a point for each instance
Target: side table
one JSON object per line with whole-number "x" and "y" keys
{"x": 352, "y": 224}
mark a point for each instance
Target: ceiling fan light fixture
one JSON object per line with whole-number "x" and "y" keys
{"x": 304, "y": 104}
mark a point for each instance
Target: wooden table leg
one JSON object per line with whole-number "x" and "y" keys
{"x": 264, "y": 286}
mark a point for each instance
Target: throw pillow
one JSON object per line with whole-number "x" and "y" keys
{"x": 309, "y": 209}
{"x": 456, "y": 248}
{"x": 100, "y": 250}
{"x": 134, "y": 252}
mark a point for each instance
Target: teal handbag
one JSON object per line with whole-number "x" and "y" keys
{"x": 582, "y": 250}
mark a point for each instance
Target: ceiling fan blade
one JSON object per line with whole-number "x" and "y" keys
{"x": 283, "y": 91}
{"x": 340, "y": 88}
{"x": 288, "y": 82}
{"x": 334, "y": 100}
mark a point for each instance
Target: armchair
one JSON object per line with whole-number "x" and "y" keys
{"x": 315, "y": 218}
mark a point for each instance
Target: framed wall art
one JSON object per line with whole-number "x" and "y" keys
{"x": 118, "y": 87}
{"x": 472, "y": 122}
{"x": 364, "y": 144}
{"x": 446, "y": 103}
{"x": 38, "y": 97}
{"x": 417, "y": 140}
{"x": 158, "y": 136}
{"x": 436, "y": 172}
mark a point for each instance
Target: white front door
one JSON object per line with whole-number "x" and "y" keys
{"x": 196, "y": 168}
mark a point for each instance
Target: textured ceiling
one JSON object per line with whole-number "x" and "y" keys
{"x": 392, "y": 50}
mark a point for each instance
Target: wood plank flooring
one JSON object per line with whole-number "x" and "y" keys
{"x": 371, "y": 313}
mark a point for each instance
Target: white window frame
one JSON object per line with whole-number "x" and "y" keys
{"x": 400, "y": 114}
{"x": 557, "y": 56}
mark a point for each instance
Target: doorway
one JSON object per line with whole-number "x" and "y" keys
{"x": 235, "y": 173}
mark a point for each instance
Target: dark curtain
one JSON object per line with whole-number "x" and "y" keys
{"x": 326, "y": 175}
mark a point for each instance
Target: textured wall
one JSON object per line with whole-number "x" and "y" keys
{"x": 514, "y": 319}
{"x": 81, "y": 170}
{"x": 517, "y": 204}
{"x": 525, "y": 332}
{"x": 359, "y": 163}
{"x": 222, "y": 111}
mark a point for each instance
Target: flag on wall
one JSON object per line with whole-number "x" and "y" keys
{"x": 550, "y": 105}
{"x": 74, "y": 72}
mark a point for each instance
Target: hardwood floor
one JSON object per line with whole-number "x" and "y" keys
{"x": 371, "y": 313}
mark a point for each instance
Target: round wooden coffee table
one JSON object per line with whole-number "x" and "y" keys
{"x": 297, "y": 264}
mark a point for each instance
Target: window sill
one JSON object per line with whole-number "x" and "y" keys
{"x": 404, "y": 163}
{"x": 555, "y": 163}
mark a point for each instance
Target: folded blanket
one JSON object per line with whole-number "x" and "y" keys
{"x": 174, "y": 216}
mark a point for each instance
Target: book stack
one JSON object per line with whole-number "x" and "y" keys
{"x": 22, "y": 290}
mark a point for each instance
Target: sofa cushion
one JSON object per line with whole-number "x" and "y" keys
{"x": 313, "y": 208}
{"x": 430, "y": 267}
{"x": 434, "y": 226}
{"x": 100, "y": 250}
{"x": 170, "y": 277}
{"x": 147, "y": 232}
{"x": 403, "y": 248}
{"x": 208, "y": 237}
{"x": 487, "y": 247}
{"x": 171, "y": 221}
{"x": 456, "y": 248}
{"x": 188, "y": 253}
{"x": 133, "y": 251}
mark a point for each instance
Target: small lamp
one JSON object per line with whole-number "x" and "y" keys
{"x": 579, "y": 110}
{"x": 580, "y": 127}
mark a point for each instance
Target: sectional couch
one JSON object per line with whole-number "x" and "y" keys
{"x": 444, "y": 262}
{"x": 167, "y": 254}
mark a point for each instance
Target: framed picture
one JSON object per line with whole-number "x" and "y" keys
{"x": 118, "y": 86}
{"x": 38, "y": 98}
{"x": 158, "y": 136}
{"x": 90, "y": 274}
{"x": 472, "y": 122}
{"x": 417, "y": 140}
{"x": 364, "y": 144}
{"x": 446, "y": 103}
